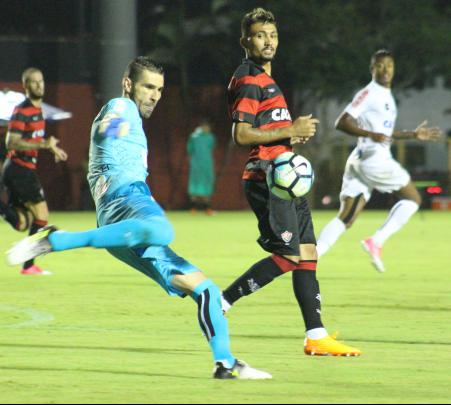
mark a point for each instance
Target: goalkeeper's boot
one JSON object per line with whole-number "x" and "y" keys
{"x": 375, "y": 252}
{"x": 239, "y": 371}
{"x": 31, "y": 247}
{"x": 328, "y": 346}
{"x": 35, "y": 271}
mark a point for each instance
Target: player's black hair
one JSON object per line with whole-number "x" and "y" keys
{"x": 256, "y": 15}
{"x": 138, "y": 65}
{"x": 380, "y": 53}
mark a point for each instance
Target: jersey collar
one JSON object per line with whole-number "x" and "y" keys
{"x": 256, "y": 65}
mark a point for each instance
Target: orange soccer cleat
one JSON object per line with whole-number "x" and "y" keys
{"x": 328, "y": 346}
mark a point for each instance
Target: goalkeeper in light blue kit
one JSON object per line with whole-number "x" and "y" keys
{"x": 132, "y": 226}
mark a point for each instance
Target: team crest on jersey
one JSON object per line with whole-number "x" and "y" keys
{"x": 287, "y": 236}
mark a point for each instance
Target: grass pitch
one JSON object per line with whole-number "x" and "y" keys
{"x": 99, "y": 332}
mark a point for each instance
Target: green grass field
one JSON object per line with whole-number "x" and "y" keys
{"x": 98, "y": 332}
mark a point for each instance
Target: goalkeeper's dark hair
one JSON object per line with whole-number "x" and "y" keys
{"x": 138, "y": 65}
{"x": 381, "y": 53}
{"x": 256, "y": 15}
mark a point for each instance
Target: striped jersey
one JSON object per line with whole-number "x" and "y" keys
{"x": 255, "y": 98}
{"x": 28, "y": 121}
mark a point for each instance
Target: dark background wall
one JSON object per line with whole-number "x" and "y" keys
{"x": 167, "y": 131}
{"x": 322, "y": 58}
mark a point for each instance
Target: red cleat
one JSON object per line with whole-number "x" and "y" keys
{"x": 35, "y": 271}
{"x": 375, "y": 252}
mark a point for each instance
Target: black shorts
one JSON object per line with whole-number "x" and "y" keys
{"x": 283, "y": 225}
{"x": 22, "y": 184}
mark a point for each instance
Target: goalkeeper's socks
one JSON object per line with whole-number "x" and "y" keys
{"x": 212, "y": 322}
{"x": 259, "y": 275}
{"x": 9, "y": 214}
{"x": 129, "y": 233}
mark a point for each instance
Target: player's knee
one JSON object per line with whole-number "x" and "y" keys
{"x": 293, "y": 259}
{"x": 348, "y": 220}
{"x": 195, "y": 283}
{"x": 308, "y": 252}
{"x": 24, "y": 219}
{"x": 418, "y": 200}
{"x": 156, "y": 232}
{"x": 21, "y": 226}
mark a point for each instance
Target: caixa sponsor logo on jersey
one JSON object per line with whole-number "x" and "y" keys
{"x": 388, "y": 124}
{"x": 281, "y": 114}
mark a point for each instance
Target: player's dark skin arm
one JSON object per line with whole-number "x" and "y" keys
{"x": 14, "y": 141}
{"x": 302, "y": 129}
{"x": 347, "y": 124}
{"x": 422, "y": 133}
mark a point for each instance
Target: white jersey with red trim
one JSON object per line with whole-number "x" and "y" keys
{"x": 374, "y": 109}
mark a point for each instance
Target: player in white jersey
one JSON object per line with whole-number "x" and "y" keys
{"x": 371, "y": 117}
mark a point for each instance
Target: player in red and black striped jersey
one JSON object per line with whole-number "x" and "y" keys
{"x": 27, "y": 208}
{"x": 262, "y": 121}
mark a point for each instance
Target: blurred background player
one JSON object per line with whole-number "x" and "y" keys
{"x": 200, "y": 147}
{"x": 3, "y": 153}
{"x": 262, "y": 121}
{"x": 371, "y": 117}
{"x": 27, "y": 208}
{"x": 132, "y": 226}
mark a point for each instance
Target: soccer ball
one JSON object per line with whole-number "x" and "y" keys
{"x": 290, "y": 176}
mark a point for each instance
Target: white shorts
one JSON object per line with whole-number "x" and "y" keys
{"x": 380, "y": 172}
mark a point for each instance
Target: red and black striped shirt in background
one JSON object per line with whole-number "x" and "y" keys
{"x": 255, "y": 98}
{"x": 28, "y": 121}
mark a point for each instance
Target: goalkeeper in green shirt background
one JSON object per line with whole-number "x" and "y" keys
{"x": 201, "y": 144}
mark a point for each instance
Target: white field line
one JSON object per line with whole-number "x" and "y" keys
{"x": 35, "y": 317}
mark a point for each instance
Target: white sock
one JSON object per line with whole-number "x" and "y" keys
{"x": 398, "y": 217}
{"x": 317, "y": 333}
{"x": 329, "y": 235}
{"x": 225, "y": 304}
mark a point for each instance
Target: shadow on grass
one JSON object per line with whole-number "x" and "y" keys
{"x": 393, "y": 307}
{"x": 147, "y": 350}
{"x": 98, "y": 371}
{"x": 349, "y": 339}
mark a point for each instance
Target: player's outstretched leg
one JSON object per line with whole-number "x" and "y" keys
{"x": 129, "y": 233}
{"x": 214, "y": 327}
{"x": 329, "y": 236}
{"x": 399, "y": 215}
